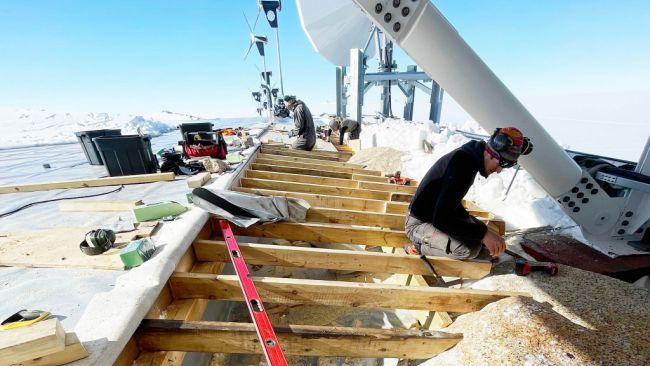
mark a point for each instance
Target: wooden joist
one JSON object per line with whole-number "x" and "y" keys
{"x": 343, "y": 260}
{"x": 316, "y": 153}
{"x": 298, "y": 178}
{"x": 85, "y": 183}
{"x": 326, "y": 233}
{"x": 298, "y": 340}
{"x": 323, "y": 172}
{"x": 388, "y": 187}
{"x": 302, "y": 154}
{"x": 314, "y": 166}
{"x": 277, "y": 157}
{"x": 313, "y": 188}
{"x": 359, "y": 218}
{"x": 334, "y": 293}
{"x": 321, "y": 200}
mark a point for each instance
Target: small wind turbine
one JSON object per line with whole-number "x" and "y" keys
{"x": 260, "y": 42}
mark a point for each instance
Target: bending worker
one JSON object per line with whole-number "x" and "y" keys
{"x": 345, "y": 125}
{"x": 304, "y": 124}
{"x": 437, "y": 223}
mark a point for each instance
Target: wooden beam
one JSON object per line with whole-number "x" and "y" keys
{"x": 315, "y": 151}
{"x": 321, "y": 200}
{"x": 330, "y": 167}
{"x": 84, "y": 183}
{"x": 342, "y": 260}
{"x": 73, "y": 351}
{"x": 198, "y": 180}
{"x": 369, "y": 178}
{"x": 388, "y": 187}
{"x": 298, "y": 178}
{"x": 318, "y": 153}
{"x": 360, "y": 218}
{"x": 313, "y": 188}
{"x": 322, "y": 172}
{"x": 296, "y": 340}
{"x": 27, "y": 343}
{"x": 301, "y": 154}
{"x": 98, "y": 205}
{"x": 277, "y": 157}
{"x": 326, "y": 233}
{"x": 335, "y": 293}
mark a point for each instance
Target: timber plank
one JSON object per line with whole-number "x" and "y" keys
{"x": 344, "y": 260}
{"x": 321, "y": 200}
{"x": 326, "y": 233}
{"x": 388, "y": 187}
{"x": 277, "y": 157}
{"x": 313, "y": 188}
{"x": 301, "y": 154}
{"x": 298, "y": 340}
{"x": 335, "y": 293}
{"x": 298, "y": 178}
{"x": 369, "y": 178}
{"x": 85, "y": 183}
{"x": 305, "y": 171}
{"x": 27, "y": 343}
{"x": 318, "y": 153}
{"x": 349, "y": 217}
{"x": 316, "y": 166}
{"x": 73, "y": 351}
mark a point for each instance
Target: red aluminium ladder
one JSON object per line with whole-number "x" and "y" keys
{"x": 265, "y": 333}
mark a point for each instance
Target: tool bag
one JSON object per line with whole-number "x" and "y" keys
{"x": 218, "y": 149}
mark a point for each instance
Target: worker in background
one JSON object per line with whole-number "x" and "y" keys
{"x": 437, "y": 223}
{"x": 340, "y": 125}
{"x": 304, "y": 124}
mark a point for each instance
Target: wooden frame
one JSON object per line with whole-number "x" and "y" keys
{"x": 350, "y": 205}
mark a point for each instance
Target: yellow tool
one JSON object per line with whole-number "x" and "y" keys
{"x": 24, "y": 318}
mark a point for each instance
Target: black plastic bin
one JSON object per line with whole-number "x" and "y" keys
{"x": 197, "y": 127}
{"x": 127, "y": 154}
{"x": 86, "y": 141}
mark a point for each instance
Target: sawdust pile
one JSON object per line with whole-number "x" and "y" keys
{"x": 385, "y": 159}
{"x": 575, "y": 318}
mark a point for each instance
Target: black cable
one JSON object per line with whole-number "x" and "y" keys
{"x": 58, "y": 199}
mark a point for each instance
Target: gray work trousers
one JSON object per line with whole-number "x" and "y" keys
{"x": 433, "y": 242}
{"x": 302, "y": 143}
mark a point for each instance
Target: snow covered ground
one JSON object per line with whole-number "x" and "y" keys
{"x": 526, "y": 205}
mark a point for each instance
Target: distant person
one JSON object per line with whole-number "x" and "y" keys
{"x": 304, "y": 123}
{"x": 340, "y": 125}
{"x": 437, "y": 223}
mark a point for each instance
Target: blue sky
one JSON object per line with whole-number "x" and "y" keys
{"x": 584, "y": 60}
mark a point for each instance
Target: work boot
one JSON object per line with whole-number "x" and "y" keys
{"x": 411, "y": 249}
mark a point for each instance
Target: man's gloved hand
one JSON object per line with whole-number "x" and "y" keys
{"x": 494, "y": 242}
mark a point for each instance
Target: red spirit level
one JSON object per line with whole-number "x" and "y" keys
{"x": 265, "y": 333}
